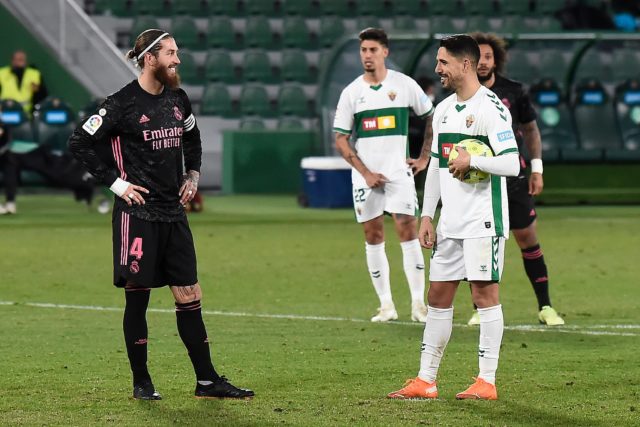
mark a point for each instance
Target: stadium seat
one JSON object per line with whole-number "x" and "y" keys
{"x": 221, "y": 33}
{"x": 485, "y": 8}
{"x": 626, "y": 65}
{"x": 404, "y": 23}
{"x": 594, "y": 65}
{"x": 216, "y": 101}
{"x": 295, "y": 67}
{"x": 292, "y": 101}
{"x": 337, "y": 7}
{"x": 516, "y": 7}
{"x": 190, "y": 7}
{"x": 140, "y": 24}
{"x": 519, "y": 67}
{"x": 153, "y": 7}
{"x": 548, "y": 7}
{"x": 367, "y": 21}
{"x": 121, "y": 8}
{"x": 595, "y": 120}
{"x": 257, "y": 67}
{"x": 254, "y": 100}
{"x": 442, "y": 25}
{"x": 415, "y": 8}
{"x": 373, "y": 8}
{"x": 258, "y": 33}
{"x": 627, "y": 103}
{"x": 554, "y": 119}
{"x": 290, "y": 123}
{"x": 331, "y": 29}
{"x": 224, "y": 7}
{"x": 15, "y": 118}
{"x": 295, "y": 33}
{"x": 188, "y": 68}
{"x": 54, "y": 123}
{"x": 300, "y": 7}
{"x": 553, "y": 65}
{"x": 512, "y": 23}
{"x": 445, "y": 7}
{"x": 479, "y": 23}
{"x": 252, "y": 124}
{"x": 219, "y": 67}
{"x": 186, "y": 33}
{"x": 259, "y": 7}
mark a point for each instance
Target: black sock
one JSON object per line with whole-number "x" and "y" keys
{"x": 537, "y": 271}
{"x": 134, "y": 325}
{"x": 194, "y": 336}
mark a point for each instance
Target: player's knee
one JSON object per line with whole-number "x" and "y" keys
{"x": 187, "y": 294}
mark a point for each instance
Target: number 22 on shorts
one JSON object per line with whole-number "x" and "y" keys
{"x": 359, "y": 195}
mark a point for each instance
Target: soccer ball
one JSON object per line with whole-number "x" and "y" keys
{"x": 475, "y": 148}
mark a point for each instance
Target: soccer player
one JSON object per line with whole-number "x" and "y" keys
{"x": 150, "y": 126}
{"x": 469, "y": 241}
{"x": 522, "y": 211}
{"x": 374, "y": 109}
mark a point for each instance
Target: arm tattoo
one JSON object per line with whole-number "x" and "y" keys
{"x": 427, "y": 141}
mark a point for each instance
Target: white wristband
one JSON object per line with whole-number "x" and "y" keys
{"x": 536, "y": 166}
{"x": 119, "y": 186}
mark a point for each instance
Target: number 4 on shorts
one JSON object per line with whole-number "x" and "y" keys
{"x": 136, "y": 248}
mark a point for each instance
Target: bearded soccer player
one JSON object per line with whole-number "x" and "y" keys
{"x": 522, "y": 211}
{"x": 374, "y": 109}
{"x": 150, "y": 126}
{"x": 474, "y": 223}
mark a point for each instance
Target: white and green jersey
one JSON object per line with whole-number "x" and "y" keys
{"x": 472, "y": 210}
{"x": 378, "y": 117}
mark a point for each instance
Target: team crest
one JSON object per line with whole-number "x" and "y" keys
{"x": 134, "y": 267}
{"x": 392, "y": 95}
{"x": 469, "y": 120}
{"x": 177, "y": 113}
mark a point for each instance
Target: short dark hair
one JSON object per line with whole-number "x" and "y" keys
{"x": 375, "y": 34}
{"x": 462, "y": 46}
{"x": 498, "y": 46}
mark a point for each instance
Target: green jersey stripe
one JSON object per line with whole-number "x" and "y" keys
{"x": 496, "y": 204}
{"x": 346, "y": 132}
{"x": 428, "y": 113}
{"x": 382, "y": 122}
{"x": 507, "y": 151}
{"x": 495, "y": 251}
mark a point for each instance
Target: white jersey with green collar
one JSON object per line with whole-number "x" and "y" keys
{"x": 472, "y": 210}
{"x": 378, "y": 117}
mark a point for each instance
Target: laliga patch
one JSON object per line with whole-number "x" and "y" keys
{"x": 92, "y": 124}
{"x": 505, "y": 135}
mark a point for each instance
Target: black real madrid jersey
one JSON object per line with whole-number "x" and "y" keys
{"x": 148, "y": 136}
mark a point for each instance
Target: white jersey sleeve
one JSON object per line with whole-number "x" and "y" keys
{"x": 498, "y": 127}
{"x": 343, "y": 121}
{"x": 418, "y": 100}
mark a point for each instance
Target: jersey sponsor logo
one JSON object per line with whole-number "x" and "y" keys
{"x": 506, "y": 102}
{"x": 376, "y": 123}
{"x": 469, "y": 120}
{"x": 177, "y": 113}
{"x": 447, "y": 147}
{"x": 505, "y": 135}
{"x": 92, "y": 124}
{"x": 164, "y": 137}
{"x": 392, "y": 95}
{"x": 143, "y": 119}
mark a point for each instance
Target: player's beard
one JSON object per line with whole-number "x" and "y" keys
{"x": 172, "y": 80}
{"x": 486, "y": 77}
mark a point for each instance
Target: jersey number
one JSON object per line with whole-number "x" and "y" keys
{"x": 136, "y": 248}
{"x": 358, "y": 195}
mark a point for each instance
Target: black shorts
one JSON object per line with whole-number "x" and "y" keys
{"x": 152, "y": 254}
{"x": 522, "y": 209}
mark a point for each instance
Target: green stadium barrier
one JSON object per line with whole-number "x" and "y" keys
{"x": 265, "y": 161}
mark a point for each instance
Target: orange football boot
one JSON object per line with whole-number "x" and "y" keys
{"x": 480, "y": 390}
{"x": 416, "y": 388}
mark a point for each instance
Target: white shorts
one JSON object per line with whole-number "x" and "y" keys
{"x": 398, "y": 196}
{"x": 479, "y": 259}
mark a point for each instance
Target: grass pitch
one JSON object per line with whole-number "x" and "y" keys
{"x": 287, "y": 299}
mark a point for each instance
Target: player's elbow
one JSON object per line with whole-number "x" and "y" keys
{"x": 513, "y": 165}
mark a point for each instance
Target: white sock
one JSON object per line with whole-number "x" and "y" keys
{"x": 437, "y": 331}
{"x": 491, "y": 328}
{"x": 413, "y": 262}
{"x": 379, "y": 271}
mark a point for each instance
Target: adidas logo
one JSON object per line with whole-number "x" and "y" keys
{"x": 143, "y": 119}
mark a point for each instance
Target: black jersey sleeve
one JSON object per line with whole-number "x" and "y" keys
{"x": 94, "y": 131}
{"x": 526, "y": 112}
{"x": 192, "y": 144}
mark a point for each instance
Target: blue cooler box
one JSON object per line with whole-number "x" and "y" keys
{"x": 327, "y": 182}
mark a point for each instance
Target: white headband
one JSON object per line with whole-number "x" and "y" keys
{"x": 150, "y": 46}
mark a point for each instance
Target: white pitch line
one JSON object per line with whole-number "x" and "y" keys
{"x": 570, "y": 329}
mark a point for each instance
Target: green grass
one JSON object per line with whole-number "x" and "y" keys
{"x": 263, "y": 255}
